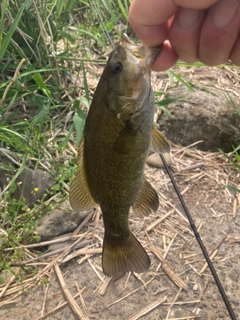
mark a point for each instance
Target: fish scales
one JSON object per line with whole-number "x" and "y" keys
{"x": 113, "y": 152}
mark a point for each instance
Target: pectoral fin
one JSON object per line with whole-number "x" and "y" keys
{"x": 158, "y": 142}
{"x": 146, "y": 200}
{"x": 80, "y": 196}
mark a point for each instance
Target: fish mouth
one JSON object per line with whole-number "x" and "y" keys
{"x": 138, "y": 60}
{"x": 139, "y": 53}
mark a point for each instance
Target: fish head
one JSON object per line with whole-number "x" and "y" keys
{"x": 128, "y": 75}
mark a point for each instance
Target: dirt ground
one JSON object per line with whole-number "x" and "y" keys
{"x": 201, "y": 177}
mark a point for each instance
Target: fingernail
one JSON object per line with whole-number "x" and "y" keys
{"x": 223, "y": 12}
{"x": 187, "y": 18}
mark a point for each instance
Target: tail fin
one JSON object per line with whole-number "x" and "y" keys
{"x": 121, "y": 255}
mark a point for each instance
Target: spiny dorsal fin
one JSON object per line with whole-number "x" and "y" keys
{"x": 146, "y": 200}
{"x": 80, "y": 196}
{"x": 123, "y": 255}
{"x": 158, "y": 142}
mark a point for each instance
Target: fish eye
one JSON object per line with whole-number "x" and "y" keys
{"x": 116, "y": 67}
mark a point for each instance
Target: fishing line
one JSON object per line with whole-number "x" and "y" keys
{"x": 102, "y": 23}
{"x": 191, "y": 222}
{"x": 199, "y": 240}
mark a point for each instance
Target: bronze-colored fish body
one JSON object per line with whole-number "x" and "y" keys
{"x": 113, "y": 151}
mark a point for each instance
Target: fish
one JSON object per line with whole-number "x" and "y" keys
{"x": 117, "y": 136}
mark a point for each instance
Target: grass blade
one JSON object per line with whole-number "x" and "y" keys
{"x": 7, "y": 38}
{"x": 3, "y": 12}
{"x": 124, "y": 9}
{"x": 180, "y": 79}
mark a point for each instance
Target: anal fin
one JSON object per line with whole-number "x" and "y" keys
{"x": 80, "y": 196}
{"x": 147, "y": 199}
{"x": 158, "y": 143}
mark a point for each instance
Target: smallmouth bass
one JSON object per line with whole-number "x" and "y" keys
{"x": 118, "y": 133}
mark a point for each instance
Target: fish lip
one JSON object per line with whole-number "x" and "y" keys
{"x": 154, "y": 52}
{"x": 142, "y": 54}
{"x": 127, "y": 43}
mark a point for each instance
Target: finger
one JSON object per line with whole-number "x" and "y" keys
{"x": 195, "y": 4}
{"x": 219, "y": 32}
{"x": 185, "y": 32}
{"x": 151, "y": 36}
{"x": 235, "y": 53}
{"x": 166, "y": 59}
{"x": 148, "y": 19}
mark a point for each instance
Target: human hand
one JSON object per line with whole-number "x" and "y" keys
{"x": 192, "y": 30}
